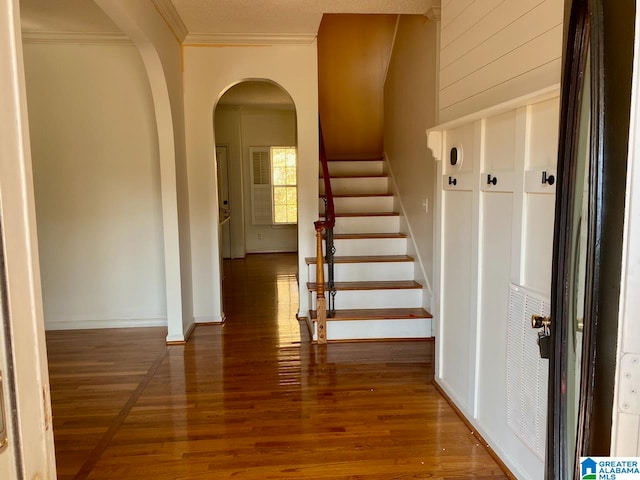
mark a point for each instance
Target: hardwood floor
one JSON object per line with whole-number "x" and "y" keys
{"x": 253, "y": 399}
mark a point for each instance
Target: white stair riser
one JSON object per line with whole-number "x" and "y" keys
{"x": 371, "y": 246}
{"x": 389, "y": 224}
{"x": 362, "y": 272}
{"x": 360, "y": 204}
{"x": 357, "y": 185}
{"x": 359, "y": 167}
{"x": 377, "y": 329}
{"x": 392, "y": 298}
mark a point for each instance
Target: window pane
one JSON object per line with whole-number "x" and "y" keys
{"x": 279, "y": 157}
{"x": 291, "y": 157}
{"x": 292, "y": 195}
{"x": 279, "y": 176}
{"x": 279, "y": 195}
{"x": 280, "y": 214}
{"x": 290, "y": 176}
{"x": 292, "y": 213}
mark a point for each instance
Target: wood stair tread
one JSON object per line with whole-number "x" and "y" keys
{"x": 366, "y": 236}
{"x": 367, "y": 214}
{"x": 371, "y": 285}
{"x": 365, "y": 259}
{"x": 380, "y": 159}
{"x": 358, "y": 195}
{"x": 357, "y": 175}
{"x": 376, "y": 314}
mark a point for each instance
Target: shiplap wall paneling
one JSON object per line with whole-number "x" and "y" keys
{"x": 539, "y": 198}
{"x": 459, "y": 265}
{"x": 495, "y": 50}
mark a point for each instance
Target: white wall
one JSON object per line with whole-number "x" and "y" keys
{"x": 495, "y": 50}
{"x": 97, "y": 185}
{"x": 162, "y": 56}
{"x": 625, "y": 441}
{"x": 242, "y": 128}
{"x": 209, "y": 72}
{"x": 410, "y": 108}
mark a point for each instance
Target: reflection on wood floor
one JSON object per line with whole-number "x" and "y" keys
{"x": 253, "y": 399}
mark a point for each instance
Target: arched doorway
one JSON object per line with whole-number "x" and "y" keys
{"x": 256, "y": 160}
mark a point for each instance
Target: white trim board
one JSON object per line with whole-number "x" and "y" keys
{"x": 247, "y": 39}
{"x": 535, "y": 97}
{"x": 217, "y": 319}
{"x": 89, "y": 324}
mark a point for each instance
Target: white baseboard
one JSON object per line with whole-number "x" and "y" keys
{"x": 182, "y": 338}
{"x": 89, "y": 324}
{"x": 515, "y": 468}
{"x": 210, "y": 319}
{"x": 285, "y": 250}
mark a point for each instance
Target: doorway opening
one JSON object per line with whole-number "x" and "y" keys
{"x": 256, "y": 161}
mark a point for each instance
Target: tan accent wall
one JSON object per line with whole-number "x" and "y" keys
{"x": 353, "y": 55}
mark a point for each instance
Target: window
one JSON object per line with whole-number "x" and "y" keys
{"x": 283, "y": 181}
{"x": 274, "y": 192}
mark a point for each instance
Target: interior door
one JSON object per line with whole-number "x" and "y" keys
{"x": 594, "y": 126}
{"x": 8, "y": 453}
{"x": 222, "y": 168}
{"x": 28, "y": 452}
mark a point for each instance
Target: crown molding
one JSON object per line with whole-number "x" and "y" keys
{"x": 168, "y": 12}
{"x": 250, "y": 39}
{"x": 434, "y": 12}
{"x": 78, "y": 38}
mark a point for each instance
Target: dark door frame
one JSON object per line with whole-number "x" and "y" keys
{"x": 607, "y": 27}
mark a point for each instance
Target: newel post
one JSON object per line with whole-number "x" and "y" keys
{"x": 321, "y": 303}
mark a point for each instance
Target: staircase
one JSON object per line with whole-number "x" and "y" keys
{"x": 376, "y": 294}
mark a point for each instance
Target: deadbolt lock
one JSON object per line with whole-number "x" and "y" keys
{"x": 544, "y": 336}
{"x": 538, "y": 321}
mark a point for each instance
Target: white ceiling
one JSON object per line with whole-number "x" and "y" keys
{"x": 213, "y": 16}
{"x": 279, "y": 16}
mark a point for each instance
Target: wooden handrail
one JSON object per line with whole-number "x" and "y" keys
{"x": 329, "y": 214}
{"x": 322, "y": 227}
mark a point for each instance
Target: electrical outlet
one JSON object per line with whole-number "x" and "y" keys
{"x": 260, "y": 236}
{"x": 425, "y": 204}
